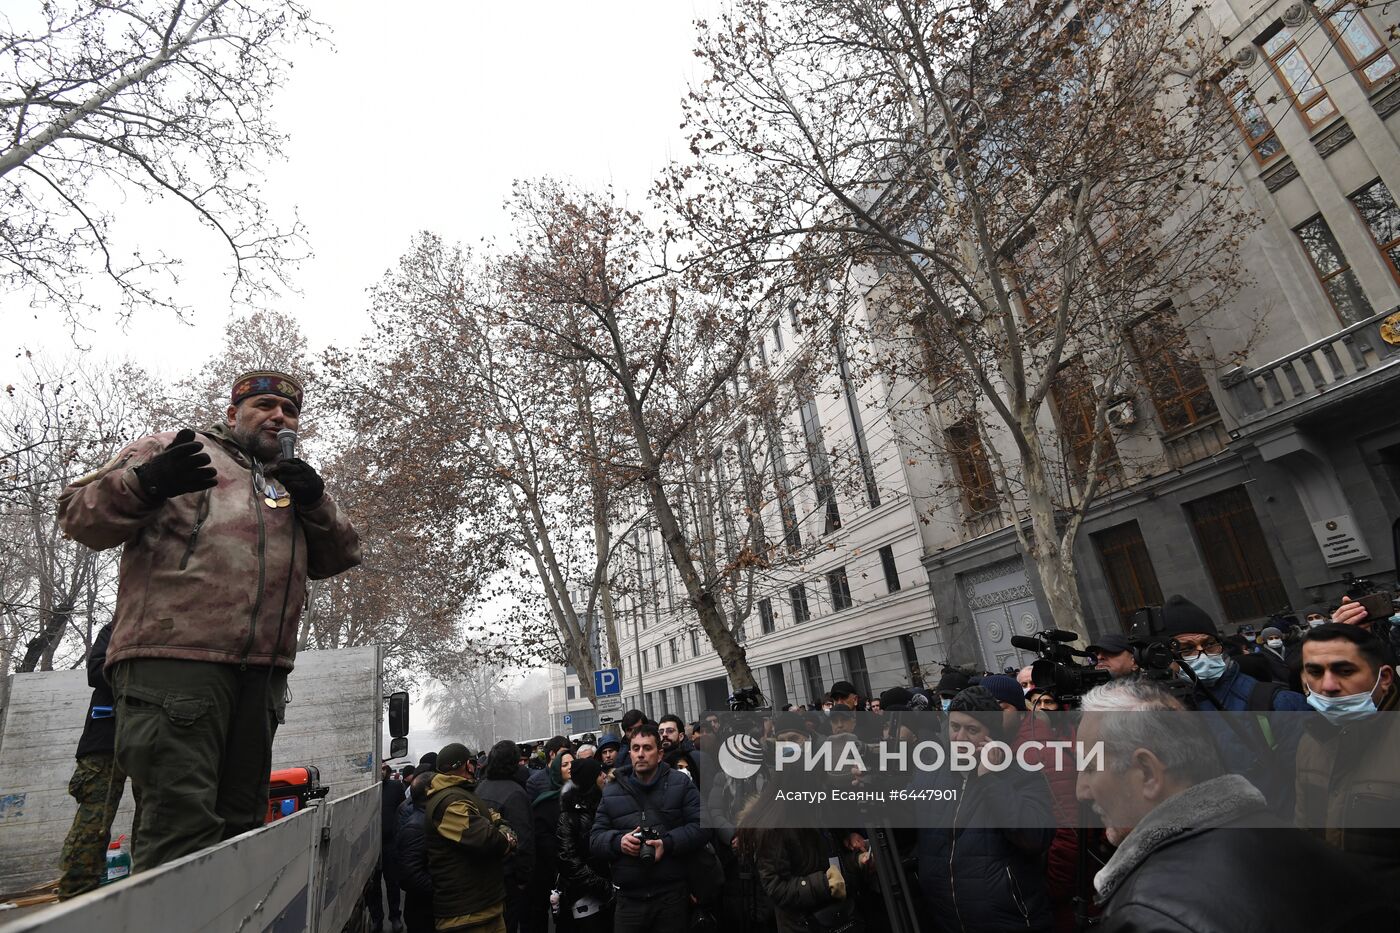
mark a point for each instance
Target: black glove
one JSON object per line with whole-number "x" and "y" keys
{"x": 301, "y": 480}
{"x": 180, "y": 468}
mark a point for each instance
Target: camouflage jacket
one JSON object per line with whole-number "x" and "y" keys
{"x": 208, "y": 576}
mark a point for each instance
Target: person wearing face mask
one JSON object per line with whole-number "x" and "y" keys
{"x": 1261, "y": 748}
{"x": 1348, "y": 771}
{"x": 1272, "y": 652}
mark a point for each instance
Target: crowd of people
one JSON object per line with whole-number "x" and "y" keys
{"x": 1289, "y": 822}
{"x": 646, "y": 833}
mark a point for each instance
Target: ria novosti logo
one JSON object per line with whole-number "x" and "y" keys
{"x": 741, "y": 756}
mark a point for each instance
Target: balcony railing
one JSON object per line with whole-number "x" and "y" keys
{"x": 1311, "y": 371}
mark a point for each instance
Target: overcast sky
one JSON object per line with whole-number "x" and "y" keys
{"x": 420, "y": 118}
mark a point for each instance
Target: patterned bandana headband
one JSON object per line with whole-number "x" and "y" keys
{"x": 266, "y": 382}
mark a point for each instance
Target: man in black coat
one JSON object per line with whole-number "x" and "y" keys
{"x": 656, "y": 809}
{"x": 1192, "y": 843}
{"x": 411, "y": 857}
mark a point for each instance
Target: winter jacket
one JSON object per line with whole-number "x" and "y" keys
{"x": 391, "y": 798}
{"x": 982, "y": 869}
{"x": 1278, "y": 665}
{"x": 1349, "y": 782}
{"x": 411, "y": 850}
{"x": 1213, "y": 860}
{"x": 793, "y": 875}
{"x": 509, "y": 799}
{"x": 673, "y": 810}
{"x": 99, "y": 734}
{"x": 1262, "y": 748}
{"x": 580, "y": 874}
{"x": 467, "y": 844}
{"x": 209, "y": 576}
{"x": 1063, "y": 856}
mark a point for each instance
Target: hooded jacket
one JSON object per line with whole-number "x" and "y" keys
{"x": 673, "y": 810}
{"x": 467, "y": 843}
{"x": 1197, "y": 863}
{"x": 509, "y": 799}
{"x": 208, "y": 576}
{"x": 411, "y": 851}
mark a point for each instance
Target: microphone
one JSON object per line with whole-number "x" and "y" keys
{"x": 287, "y": 440}
{"x": 1025, "y": 642}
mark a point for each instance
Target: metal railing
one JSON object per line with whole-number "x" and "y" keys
{"x": 1310, "y": 371}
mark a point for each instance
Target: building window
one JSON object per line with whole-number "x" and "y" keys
{"x": 646, "y": 662}
{"x": 1128, "y": 568}
{"x": 867, "y": 468}
{"x": 821, "y": 469}
{"x": 791, "y": 533}
{"x": 974, "y": 470}
{"x": 694, "y": 644}
{"x": 911, "y": 660}
{"x": 572, "y": 691}
{"x": 778, "y": 336}
{"x": 1364, "y": 50}
{"x": 856, "y": 671}
{"x": 798, "y": 595}
{"x": 675, "y": 652}
{"x": 840, "y": 589}
{"x": 812, "y": 673}
{"x": 1237, "y": 555}
{"x": 1174, "y": 379}
{"x": 765, "y": 616}
{"x": 1293, "y": 70}
{"x": 1334, "y": 272}
{"x": 658, "y": 657}
{"x": 887, "y": 564}
{"x": 777, "y": 687}
{"x": 1377, "y": 208}
{"x": 1076, "y": 404}
{"x": 1258, "y": 132}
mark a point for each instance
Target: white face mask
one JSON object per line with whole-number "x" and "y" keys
{"x": 1275, "y": 643}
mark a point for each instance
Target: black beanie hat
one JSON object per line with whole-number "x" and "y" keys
{"x": 895, "y": 699}
{"x": 585, "y": 771}
{"x": 1180, "y": 616}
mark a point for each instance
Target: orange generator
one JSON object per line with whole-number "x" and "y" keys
{"x": 292, "y": 789}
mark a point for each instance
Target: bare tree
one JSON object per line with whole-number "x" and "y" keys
{"x": 106, "y": 101}
{"x": 64, "y": 421}
{"x": 1010, "y": 188}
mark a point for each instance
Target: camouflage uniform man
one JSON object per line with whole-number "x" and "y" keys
{"x": 97, "y": 784}
{"x": 220, "y": 539}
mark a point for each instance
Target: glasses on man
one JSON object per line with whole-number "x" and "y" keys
{"x": 1189, "y": 651}
{"x": 668, "y": 730}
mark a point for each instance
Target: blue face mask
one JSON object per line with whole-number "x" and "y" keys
{"x": 947, "y": 702}
{"x": 1341, "y": 709}
{"x": 1208, "y": 668}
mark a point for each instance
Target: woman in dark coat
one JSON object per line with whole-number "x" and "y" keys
{"x": 544, "y": 815}
{"x": 584, "y": 886}
{"x": 982, "y": 866}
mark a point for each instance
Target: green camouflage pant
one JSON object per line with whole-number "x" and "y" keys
{"x": 97, "y": 785}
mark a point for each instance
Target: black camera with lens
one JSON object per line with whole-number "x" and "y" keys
{"x": 645, "y": 835}
{"x": 1060, "y": 668}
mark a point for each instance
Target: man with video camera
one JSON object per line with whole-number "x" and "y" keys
{"x": 648, "y": 828}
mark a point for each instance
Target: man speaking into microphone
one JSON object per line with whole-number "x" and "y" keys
{"x": 221, "y": 529}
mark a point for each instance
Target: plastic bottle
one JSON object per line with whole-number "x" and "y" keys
{"x": 118, "y": 861}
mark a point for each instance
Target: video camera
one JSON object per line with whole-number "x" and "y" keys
{"x": 747, "y": 700}
{"x": 1058, "y": 668}
{"x": 1152, "y": 651}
